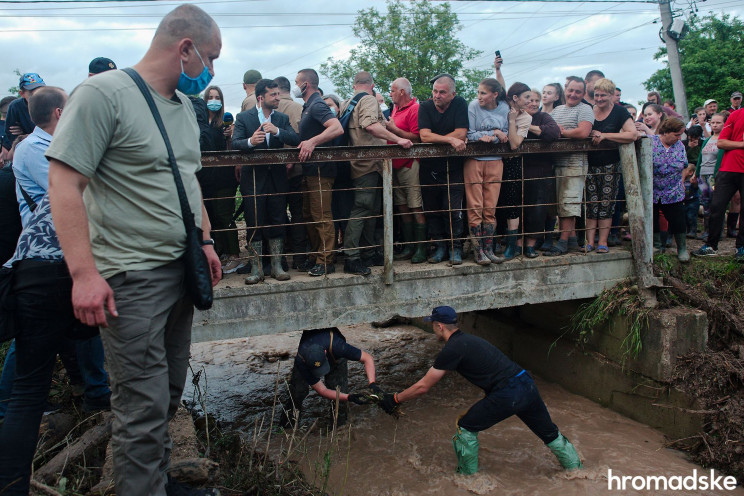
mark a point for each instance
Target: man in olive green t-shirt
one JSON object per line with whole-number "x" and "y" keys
{"x": 119, "y": 223}
{"x": 366, "y": 127}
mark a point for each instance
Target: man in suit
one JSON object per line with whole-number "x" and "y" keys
{"x": 264, "y": 187}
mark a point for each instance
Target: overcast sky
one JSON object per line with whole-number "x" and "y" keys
{"x": 540, "y": 42}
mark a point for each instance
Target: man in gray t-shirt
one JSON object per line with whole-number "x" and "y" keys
{"x": 575, "y": 120}
{"x": 119, "y": 223}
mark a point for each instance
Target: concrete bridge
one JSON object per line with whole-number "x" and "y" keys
{"x": 408, "y": 290}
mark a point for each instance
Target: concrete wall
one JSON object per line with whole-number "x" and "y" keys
{"x": 636, "y": 390}
{"x": 341, "y": 299}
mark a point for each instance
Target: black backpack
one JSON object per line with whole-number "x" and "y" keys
{"x": 343, "y": 140}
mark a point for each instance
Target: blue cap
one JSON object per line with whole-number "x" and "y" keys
{"x": 30, "y": 81}
{"x": 316, "y": 360}
{"x": 443, "y": 314}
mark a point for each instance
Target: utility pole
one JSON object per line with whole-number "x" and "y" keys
{"x": 678, "y": 84}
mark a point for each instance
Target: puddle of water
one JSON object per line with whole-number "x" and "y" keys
{"x": 376, "y": 455}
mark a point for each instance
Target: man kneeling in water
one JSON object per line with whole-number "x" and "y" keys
{"x": 509, "y": 391}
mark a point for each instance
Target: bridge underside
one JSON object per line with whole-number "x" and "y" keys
{"x": 341, "y": 299}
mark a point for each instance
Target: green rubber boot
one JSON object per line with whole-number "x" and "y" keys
{"x": 406, "y": 229}
{"x": 682, "y": 254}
{"x": 657, "y": 243}
{"x": 466, "y": 449}
{"x": 565, "y": 452}
{"x": 419, "y": 235}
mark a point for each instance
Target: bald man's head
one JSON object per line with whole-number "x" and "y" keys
{"x": 186, "y": 21}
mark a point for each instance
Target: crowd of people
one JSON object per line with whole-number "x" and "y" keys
{"x": 94, "y": 260}
{"x": 505, "y": 206}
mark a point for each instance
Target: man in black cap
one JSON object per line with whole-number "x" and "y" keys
{"x": 99, "y": 65}
{"x": 509, "y": 391}
{"x": 324, "y": 353}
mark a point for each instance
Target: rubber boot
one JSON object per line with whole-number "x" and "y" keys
{"x": 476, "y": 234}
{"x": 257, "y": 275}
{"x": 419, "y": 235}
{"x": 512, "y": 250}
{"x": 682, "y": 254}
{"x": 439, "y": 253}
{"x": 657, "y": 243}
{"x": 408, "y": 248}
{"x": 276, "y": 246}
{"x": 565, "y": 452}
{"x": 488, "y": 230}
{"x": 466, "y": 449}
{"x": 455, "y": 257}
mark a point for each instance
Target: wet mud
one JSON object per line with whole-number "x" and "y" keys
{"x": 377, "y": 455}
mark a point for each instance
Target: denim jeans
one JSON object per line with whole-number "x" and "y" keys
{"x": 519, "y": 397}
{"x": 44, "y": 316}
{"x": 89, "y": 357}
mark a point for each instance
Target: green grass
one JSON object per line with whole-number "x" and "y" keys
{"x": 622, "y": 300}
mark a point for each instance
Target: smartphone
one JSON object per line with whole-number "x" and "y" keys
{"x": 498, "y": 53}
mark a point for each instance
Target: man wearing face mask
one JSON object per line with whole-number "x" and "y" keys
{"x": 264, "y": 187}
{"x": 123, "y": 245}
{"x": 318, "y": 126}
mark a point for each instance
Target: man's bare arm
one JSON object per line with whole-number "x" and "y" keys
{"x": 725, "y": 144}
{"x": 422, "y": 386}
{"x": 90, "y": 292}
{"x": 456, "y": 138}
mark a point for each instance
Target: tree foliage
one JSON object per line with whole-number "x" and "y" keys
{"x": 15, "y": 90}
{"x": 416, "y": 40}
{"x": 711, "y": 54}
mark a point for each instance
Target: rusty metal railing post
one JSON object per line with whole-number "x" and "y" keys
{"x": 387, "y": 218}
{"x": 638, "y": 169}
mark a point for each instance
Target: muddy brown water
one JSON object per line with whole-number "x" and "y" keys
{"x": 377, "y": 455}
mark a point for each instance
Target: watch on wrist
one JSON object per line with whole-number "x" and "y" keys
{"x": 207, "y": 242}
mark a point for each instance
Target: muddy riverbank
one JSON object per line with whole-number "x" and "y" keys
{"x": 376, "y": 455}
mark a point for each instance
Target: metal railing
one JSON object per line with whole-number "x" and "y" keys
{"x": 635, "y": 165}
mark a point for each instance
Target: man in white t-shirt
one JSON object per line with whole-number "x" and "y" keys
{"x": 575, "y": 120}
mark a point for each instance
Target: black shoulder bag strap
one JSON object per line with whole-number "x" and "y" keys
{"x": 197, "y": 273}
{"x": 29, "y": 201}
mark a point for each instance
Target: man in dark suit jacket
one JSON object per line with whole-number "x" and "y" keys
{"x": 264, "y": 187}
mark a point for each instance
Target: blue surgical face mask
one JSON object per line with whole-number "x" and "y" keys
{"x": 333, "y": 110}
{"x": 214, "y": 105}
{"x": 194, "y": 86}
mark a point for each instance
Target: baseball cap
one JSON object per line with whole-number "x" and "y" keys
{"x": 444, "y": 74}
{"x": 30, "y": 81}
{"x": 443, "y": 314}
{"x": 251, "y": 76}
{"x": 316, "y": 360}
{"x": 709, "y": 100}
{"x": 736, "y": 94}
{"x": 101, "y": 64}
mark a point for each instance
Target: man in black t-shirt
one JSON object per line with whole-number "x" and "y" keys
{"x": 324, "y": 353}
{"x": 318, "y": 125}
{"x": 509, "y": 391}
{"x": 444, "y": 120}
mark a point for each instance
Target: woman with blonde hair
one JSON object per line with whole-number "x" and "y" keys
{"x": 614, "y": 123}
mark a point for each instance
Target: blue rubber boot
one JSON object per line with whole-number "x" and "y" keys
{"x": 512, "y": 250}
{"x": 439, "y": 253}
{"x": 455, "y": 257}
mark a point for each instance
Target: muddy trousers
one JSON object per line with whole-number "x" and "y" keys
{"x": 147, "y": 354}
{"x": 299, "y": 389}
